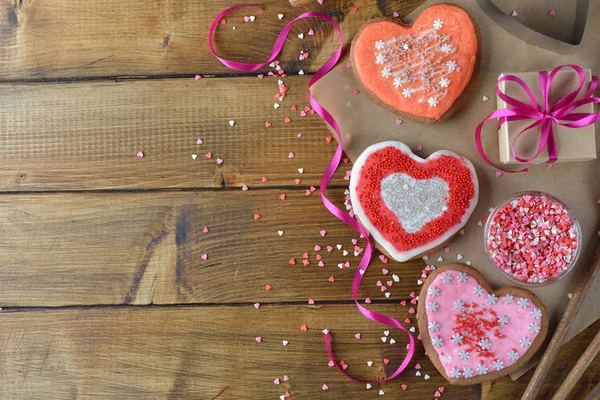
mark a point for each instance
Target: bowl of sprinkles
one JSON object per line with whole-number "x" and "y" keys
{"x": 533, "y": 238}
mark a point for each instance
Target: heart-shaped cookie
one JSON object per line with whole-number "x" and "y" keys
{"x": 420, "y": 72}
{"x": 411, "y": 205}
{"x": 473, "y": 334}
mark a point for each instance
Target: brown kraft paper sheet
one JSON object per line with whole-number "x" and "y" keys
{"x": 507, "y": 46}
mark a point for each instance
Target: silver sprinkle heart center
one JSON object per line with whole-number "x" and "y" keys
{"x": 415, "y": 202}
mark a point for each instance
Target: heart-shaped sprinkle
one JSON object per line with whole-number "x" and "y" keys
{"x": 268, "y": 287}
{"x": 331, "y": 279}
{"x": 258, "y": 339}
{"x": 304, "y": 328}
{"x": 276, "y": 381}
{"x": 331, "y": 363}
{"x": 284, "y": 342}
{"x": 404, "y": 387}
{"x": 267, "y": 124}
{"x": 369, "y": 386}
{"x": 204, "y": 256}
{"x": 368, "y": 300}
{"x": 257, "y": 305}
{"x": 324, "y": 387}
{"x": 386, "y": 361}
{"x": 396, "y": 278}
{"x": 357, "y": 335}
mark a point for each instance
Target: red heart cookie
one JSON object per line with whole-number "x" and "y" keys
{"x": 411, "y": 205}
{"x": 421, "y": 71}
{"x": 473, "y": 334}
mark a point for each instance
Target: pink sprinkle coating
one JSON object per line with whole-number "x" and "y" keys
{"x": 532, "y": 238}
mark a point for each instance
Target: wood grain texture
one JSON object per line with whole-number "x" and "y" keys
{"x": 85, "y": 135}
{"x": 143, "y": 248}
{"x": 203, "y": 353}
{"x": 78, "y": 39}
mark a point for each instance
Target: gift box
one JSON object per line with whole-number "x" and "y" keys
{"x": 574, "y": 144}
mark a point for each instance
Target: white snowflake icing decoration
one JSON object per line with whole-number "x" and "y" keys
{"x": 380, "y": 59}
{"x": 503, "y": 319}
{"x": 478, "y": 291}
{"x": 513, "y": 355}
{"x": 406, "y": 92}
{"x": 444, "y": 82}
{"x": 446, "y": 276}
{"x": 433, "y": 306}
{"x": 523, "y": 302}
{"x": 438, "y": 24}
{"x": 482, "y": 369}
{"x": 379, "y": 45}
{"x": 498, "y": 364}
{"x": 525, "y": 341}
{"x": 462, "y": 277}
{"x": 464, "y": 355}
{"x": 467, "y": 372}
{"x": 433, "y": 291}
{"x": 457, "y": 338}
{"x": 509, "y": 299}
{"x": 459, "y": 305}
{"x": 534, "y": 328}
{"x": 447, "y": 48}
{"x": 434, "y": 326}
{"x": 536, "y": 313}
{"x": 437, "y": 341}
{"x": 386, "y": 72}
{"x": 433, "y": 102}
{"x": 398, "y": 82}
{"x": 451, "y": 65}
{"x": 485, "y": 344}
{"x": 446, "y": 359}
{"x": 492, "y": 299}
{"x": 455, "y": 372}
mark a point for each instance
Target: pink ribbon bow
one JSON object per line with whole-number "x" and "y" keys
{"x": 545, "y": 115}
{"x": 333, "y": 165}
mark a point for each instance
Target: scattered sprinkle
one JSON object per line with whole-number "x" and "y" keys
{"x": 140, "y": 154}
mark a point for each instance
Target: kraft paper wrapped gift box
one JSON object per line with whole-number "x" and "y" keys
{"x": 574, "y": 144}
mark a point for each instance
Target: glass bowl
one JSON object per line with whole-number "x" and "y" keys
{"x": 506, "y": 263}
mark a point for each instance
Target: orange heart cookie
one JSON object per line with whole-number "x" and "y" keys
{"x": 420, "y": 72}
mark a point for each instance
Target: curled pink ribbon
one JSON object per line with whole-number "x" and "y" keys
{"x": 545, "y": 115}
{"x": 333, "y": 165}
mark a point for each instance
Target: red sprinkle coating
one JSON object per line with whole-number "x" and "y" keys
{"x": 474, "y": 325}
{"x": 390, "y": 160}
{"x": 532, "y": 238}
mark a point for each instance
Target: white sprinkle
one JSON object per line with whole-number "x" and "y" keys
{"x": 325, "y": 331}
{"x": 426, "y": 377}
{"x": 194, "y": 156}
{"x": 468, "y": 262}
{"x": 387, "y": 294}
{"x": 381, "y": 392}
{"x": 425, "y": 258}
{"x": 570, "y": 295}
{"x": 392, "y": 341}
{"x": 231, "y": 123}
{"x": 440, "y": 259}
{"x": 301, "y": 35}
{"x": 369, "y": 363}
{"x": 280, "y": 16}
{"x": 396, "y": 278}
{"x": 252, "y": 18}
{"x": 301, "y": 72}
{"x": 369, "y": 386}
{"x": 383, "y": 339}
{"x": 345, "y": 253}
{"x": 301, "y": 170}
{"x": 412, "y": 329}
{"x": 514, "y": 13}
{"x": 386, "y": 333}
{"x": 462, "y": 231}
{"x": 459, "y": 256}
{"x": 418, "y": 373}
{"x": 285, "y": 342}
{"x": 276, "y": 105}
{"x": 485, "y": 98}
{"x": 280, "y": 233}
{"x": 339, "y": 246}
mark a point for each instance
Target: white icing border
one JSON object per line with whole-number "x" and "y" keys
{"x": 402, "y": 256}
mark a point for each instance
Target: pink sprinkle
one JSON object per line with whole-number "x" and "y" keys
{"x": 268, "y": 287}
{"x": 256, "y": 216}
{"x": 197, "y": 77}
{"x": 498, "y": 174}
{"x": 419, "y": 148}
{"x": 260, "y": 76}
{"x": 413, "y": 295}
{"x": 257, "y": 305}
{"x": 395, "y": 14}
{"x": 552, "y": 13}
{"x": 311, "y": 32}
{"x": 204, "y": 256}
{"x": 219, "y": 161}
{"x": 286, "y": 378}
{"x": 357, "y": 335}
{"x": 264, "y": 179}
{"x": 208, "y": 155}
{"x": 321, "y": 264}
{"x": 246, "y": 18}
{"x": 299, "y": 135}
{"x": 411, "y": 310}
{"x": 205, "y": 230}
{"x": 549, "y": 166}
{"x": 437, "y": 393}
{"x": 303, "y": 113}
{"x": 317, "y": 248}
{"x": 384, "y": 271}
{"x": 323, "y": 233}
{"x": 287, "y": 120}
{"x": 331, "y": 363}
{"x": 282, "y": 196}
{"x": 325, "y": 387}
{"x": 458, "y": 69}
{"x": 298, "y": 181}
{"x": 199, "y": 141}
{"x": 304, "y": 328}
{"x": 383, "y": 259}
{"x": 267, "y": 124}
{"x": 368, "y": 300}
{"x": 329, "y": 248}
{"x": 348, "y": 64}
{"x": 245, "y": 187}
{"x": 355, "y": 92}
{"x": 404, "y": 387}
{"x": 447, "y": 249}
{"x": 331, "y": 279}
{"x": 140, "y": 154}
{"x": 258, "y": 339}
{"x": 311, "y": 301}
{"x": 399, "y": 121}
{"x": 277, "y": 381}
{"x": 291, "y": 155}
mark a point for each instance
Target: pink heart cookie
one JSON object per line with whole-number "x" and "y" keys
{"x": 411, "y": 205}
{"x": 473, "y": 334}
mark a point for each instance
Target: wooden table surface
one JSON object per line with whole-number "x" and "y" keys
{"x": 105, "y": 289}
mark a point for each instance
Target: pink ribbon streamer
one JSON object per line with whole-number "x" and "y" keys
{"x": 333, "y": 165}
{"x": 545, "y": 115}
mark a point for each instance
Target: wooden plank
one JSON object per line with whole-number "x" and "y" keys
{"x": 203, "y": 353}
{"x": 567, "y": 358}
{"x": 85, "y": 135}
{"x": 78, "y": 38}
{"x": 142, "y": 248}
